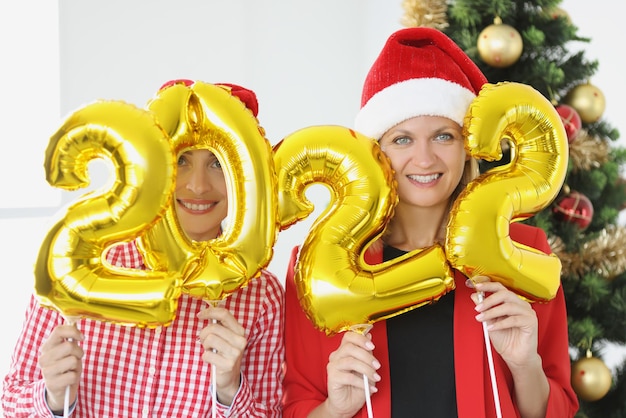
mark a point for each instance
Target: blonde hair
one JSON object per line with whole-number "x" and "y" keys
{"x": 470, "y": 172}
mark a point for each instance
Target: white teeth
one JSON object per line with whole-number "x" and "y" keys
{"x": 195, "y": 206}
{"x": 424, "y": 179}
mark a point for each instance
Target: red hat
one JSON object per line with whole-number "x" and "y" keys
{"x": 248, "y": 97}
{"x": 420, "y": 71}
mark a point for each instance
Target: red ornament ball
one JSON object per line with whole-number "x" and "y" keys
{"x": 571, "y": 121}
{"x": 575, "y": 208}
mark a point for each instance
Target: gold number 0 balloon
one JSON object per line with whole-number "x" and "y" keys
{"x": 70, "y": 275}
{"x": 336, "y": 288}
{"x": 478, "y": 240}
{"x": 208, "y": 116}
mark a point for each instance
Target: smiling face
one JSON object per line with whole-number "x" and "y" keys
{"x": 428, "y": 156}
{"x": 201, "y": 194}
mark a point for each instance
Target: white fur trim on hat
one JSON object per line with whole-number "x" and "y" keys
{"x": 410, "y": 98}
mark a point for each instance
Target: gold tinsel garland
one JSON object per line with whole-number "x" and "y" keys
{"x": 604, "y": 255}
{"x": 587, "y": 151}
{"x": 429, "y": 13}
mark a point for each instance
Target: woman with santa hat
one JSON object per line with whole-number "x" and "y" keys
{"x": 430, "y": 361}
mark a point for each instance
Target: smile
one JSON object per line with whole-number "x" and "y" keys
{"x": 196, "y": 206}
{"x": 424, "y": 179}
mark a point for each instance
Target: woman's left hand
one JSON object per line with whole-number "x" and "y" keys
{"x": 224, "y": 342}
{"x": 511, "y": 322}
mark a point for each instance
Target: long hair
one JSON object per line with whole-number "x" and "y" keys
{"x": 470, "y": 172}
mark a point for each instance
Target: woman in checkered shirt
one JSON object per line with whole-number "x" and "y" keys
{"x": 121, "y": 371}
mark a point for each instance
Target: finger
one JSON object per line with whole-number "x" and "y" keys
{"x": 230, "y": 347}
{"x": 221, "y": 362}
{"x": 358, "y": 339}
{"x": 66, "y": 350}
{"x": 214, "y": 312}
{"x": 64, "y": 372}
{"x": 52, "y": 353}
{"x": 225, "y": 360}
{"x": 339, "y": 378}
{"x": 356, "y": 360}
{"x": 505, "y": 310}
{"x": 489, "y": 286}
{"x": 504, "y": 298}
{"x": 471, "y": 282}
{"x": 352, "y": 374}
{"x": 63, "y": 333}
{"x": 223, "y": 316}
{"x": 64, "y": 366}
{"x": 227, "y": 343}
{"x": 492, "y": 293}
{"x": 498, "y": 305}
{"x": 347, "y": 371}
{"x": 511, "y": 322}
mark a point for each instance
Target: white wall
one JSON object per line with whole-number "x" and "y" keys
{"x": 305, "y": 60}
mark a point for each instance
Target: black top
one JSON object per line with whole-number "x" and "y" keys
{"x": 421, "y": 358}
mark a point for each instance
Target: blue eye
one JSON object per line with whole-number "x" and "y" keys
{"x": 216, "y": 164}
{"x": 444, "y": 137}
{"x": 402, "y": 140}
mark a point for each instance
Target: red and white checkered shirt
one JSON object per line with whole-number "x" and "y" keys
{"x": 156, "y": 372}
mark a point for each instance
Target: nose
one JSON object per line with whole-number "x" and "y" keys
{"x": 423, "y": 154}
{"x": 198, "y": 181}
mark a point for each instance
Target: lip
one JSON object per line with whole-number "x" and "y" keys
{"x": 196, "y": 206}
{"x": 424, "y": 179}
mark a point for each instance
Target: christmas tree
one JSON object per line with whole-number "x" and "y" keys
{"x": 530, "y": 42}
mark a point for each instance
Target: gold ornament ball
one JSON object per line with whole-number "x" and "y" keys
{"x": 500, "y": 45}
{"x": 591, "y": 378}
{"x": 588, "y": 100}
{"x": 557, "y": 12}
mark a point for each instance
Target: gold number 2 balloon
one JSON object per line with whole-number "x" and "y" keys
{"x": 70, "y": 274}
{"x": 207, "y": 116}
{"x": 478, "y": 240}
{"x": 336, "y": 288}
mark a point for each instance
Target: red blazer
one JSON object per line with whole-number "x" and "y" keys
{"x": 307, "y": 351}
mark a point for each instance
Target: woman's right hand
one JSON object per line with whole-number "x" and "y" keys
{"x": 346, "y": 367}
{"x": 60, "y": 361}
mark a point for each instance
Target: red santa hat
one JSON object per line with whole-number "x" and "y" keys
{"x": 420, "y": 71}
{"x": 247, "y": 96}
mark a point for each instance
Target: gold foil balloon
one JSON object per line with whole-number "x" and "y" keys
{"x": 208, "y": 116}
{"x": 70, "y": 274}
{"x": 478, "y": 241}
{"x": 336, "y": 288}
